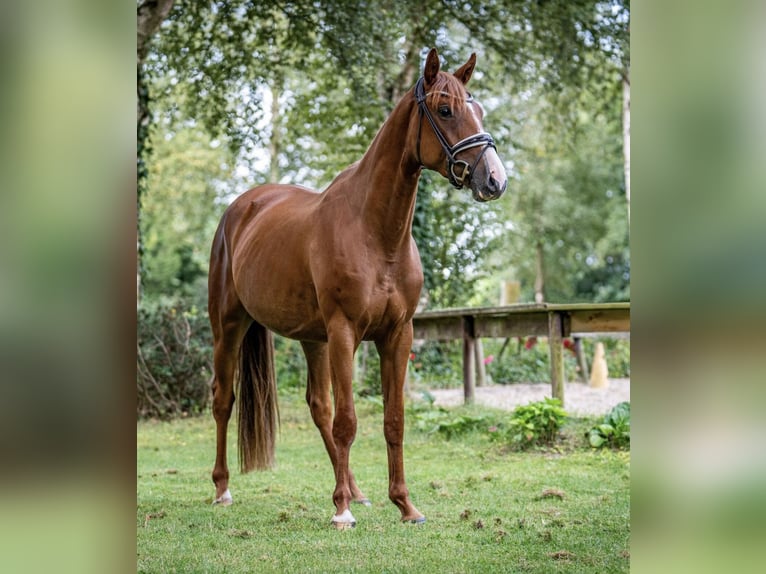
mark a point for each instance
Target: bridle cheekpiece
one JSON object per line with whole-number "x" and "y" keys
{"x": 480, "y": 139}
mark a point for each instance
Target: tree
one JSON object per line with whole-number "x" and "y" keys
{"x": 151, "y": 14}
{"x": 569, "y": 218}
{"x": 188, "y": 176}
{"x": 337, "y": 68}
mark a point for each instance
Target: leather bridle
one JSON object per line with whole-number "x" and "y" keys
{"x": 480, "y": 139}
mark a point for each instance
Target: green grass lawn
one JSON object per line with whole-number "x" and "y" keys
{"x": 485, "y": 506}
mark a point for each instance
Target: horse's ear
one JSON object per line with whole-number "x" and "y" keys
{"x": 432, "y": 67}
{"x": 466, "y": 70}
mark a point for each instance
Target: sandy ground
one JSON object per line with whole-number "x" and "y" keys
{"x": 579, "y": 398}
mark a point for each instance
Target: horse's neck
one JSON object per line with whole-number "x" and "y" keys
{"x": 388, "y": 175}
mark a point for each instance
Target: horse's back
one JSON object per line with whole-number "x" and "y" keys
{"x": 264, "y": 197}
{"x": 267, "y": 233}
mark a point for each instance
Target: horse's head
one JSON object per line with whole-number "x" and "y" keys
{"x": 450, "y": 135}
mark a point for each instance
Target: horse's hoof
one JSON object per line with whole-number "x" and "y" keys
{"x": 223, "y": 500}
{"x": 363, "y": 502}
{"x": 344, "y": 521}
{"x": 419, "y": 520}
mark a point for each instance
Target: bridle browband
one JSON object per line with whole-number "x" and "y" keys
{"x": 480, "y": 139}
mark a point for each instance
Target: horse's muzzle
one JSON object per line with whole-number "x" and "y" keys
{"x": 491, "y": 190}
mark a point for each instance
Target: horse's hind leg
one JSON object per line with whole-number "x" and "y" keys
{"x": 320, "y": 403}
{"x": 228, "y": 330}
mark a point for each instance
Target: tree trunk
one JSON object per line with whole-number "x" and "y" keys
{"x": 407, "y": 76}
{"x": 150, "y": 15}
{"x": 539, "y": 274}
{"x": 275, "y": 142}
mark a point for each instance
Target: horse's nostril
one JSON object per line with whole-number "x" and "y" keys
{"x": 495, "y": 187}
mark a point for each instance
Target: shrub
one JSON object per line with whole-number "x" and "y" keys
{"x": 529, "y": 362}
{"x": 614, "y": 431}
{"x": 367, "y": 371}
{"x": 174, "y": 359}
{"x": 437, "y": 364}
{"x": 536, "y": 423}
{"x": 445, "y": 422}
{"x": 289, "y": 364}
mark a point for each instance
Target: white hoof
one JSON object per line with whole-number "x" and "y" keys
{"x": 344, "y": 520}
{"x": 224, "y": 500}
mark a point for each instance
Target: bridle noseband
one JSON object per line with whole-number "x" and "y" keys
{"x": 480, "y": 139}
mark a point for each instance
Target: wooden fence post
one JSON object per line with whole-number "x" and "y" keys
{"x": 481, "y": 368}
{"x": 469, "y": 359}
{"x": 555, "y": 343}
{"x": 582, "y": 362}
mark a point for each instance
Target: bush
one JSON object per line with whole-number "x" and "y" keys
{"x": 614, "y": 431}
{"x": 174, "y": 359}
{"x": 448, "y": 423}
{"x": 367, "y": 371}
{"x": 537, "y": 423}
{"x": 289, "y": 364}
{"x": 528, "y": 359}
{"x": 437, "y": 364}
{"x": 529, "y": 362}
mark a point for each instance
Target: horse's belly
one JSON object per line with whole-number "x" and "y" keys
{"x": 278, "y": 300}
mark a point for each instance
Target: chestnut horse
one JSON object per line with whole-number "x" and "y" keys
{"x": 335, "y": 268}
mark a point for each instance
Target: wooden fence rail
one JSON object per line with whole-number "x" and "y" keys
{"x": 554, "y": 321}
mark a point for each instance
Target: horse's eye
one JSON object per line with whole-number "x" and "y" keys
{"x": 445, "y": 111}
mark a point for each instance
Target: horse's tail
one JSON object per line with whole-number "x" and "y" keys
{"x": 258, "y": 410}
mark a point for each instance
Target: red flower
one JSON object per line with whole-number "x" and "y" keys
{"x": 412, "y": 356}
{"x": 531, "y": 342}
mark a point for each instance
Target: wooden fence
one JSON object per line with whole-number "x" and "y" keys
{"x": 554, "y": 321}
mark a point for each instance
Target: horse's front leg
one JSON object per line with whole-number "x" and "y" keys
{"x": 394, "y": 352}
{"x": 341, "y": 346}
{"x": 319, "y": 399}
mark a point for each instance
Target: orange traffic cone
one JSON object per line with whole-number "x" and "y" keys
{"x": 599, "y": 373}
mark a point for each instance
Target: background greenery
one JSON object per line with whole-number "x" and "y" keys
{"x": 234, "y": 94}
{"x": 241, "y": 93}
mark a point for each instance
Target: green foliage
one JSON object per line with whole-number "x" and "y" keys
{"x": 289, "y": 364}
{"x": 437, "y": 364}
{"x": 449, "y": 424}
{"x": 180, "y": 211}
{"x": 536, "y": 424}
{"x": 573, "y": 206}
{"x": 461, "y": 425}
{"x": 367, "y": 371}
{"x": 614, "y": 431}
{"x": 526, "y": 361}
{"x": 174, "y": 355}
{"x": 336, "y": 70}
{"x": 455, "y": 236}
{"x": 525, "y": 365}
